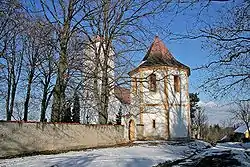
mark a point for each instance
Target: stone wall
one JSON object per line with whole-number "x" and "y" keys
{"x": 17, "y": 138}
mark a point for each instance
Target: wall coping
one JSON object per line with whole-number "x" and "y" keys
{"x": 57, "y": 123}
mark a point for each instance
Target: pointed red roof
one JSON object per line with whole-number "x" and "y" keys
{"x": 159, "y": 55}
{"x": 158, "y": 48}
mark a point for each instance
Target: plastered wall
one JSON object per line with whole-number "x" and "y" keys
{"x": 21, "y": 138}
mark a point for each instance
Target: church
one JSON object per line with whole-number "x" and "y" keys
{"x": 159, "y": 96}
{"x": 157, "y": 104}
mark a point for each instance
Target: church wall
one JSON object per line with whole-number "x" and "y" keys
{"x": 177, "y": 97}
{"x": 178, "y": 123}
{"x": 113, "y": 109}
{"x": 178, "y": 105}
{"x": 151, "y": 97}
{"x": 136, "y": 98}
{"x": 27, "y": 138}
{"x": 163, "y": 104}
{"x": 154, "y": 115}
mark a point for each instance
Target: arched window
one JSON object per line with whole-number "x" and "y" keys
{"x": 152, "y": 82}
{"x": 177, "y": 84}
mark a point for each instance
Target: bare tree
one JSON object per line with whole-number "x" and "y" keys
{"x": 32, "y": 58}
{"x": 46, "y": 76}
{"x": 65, "y": 17}
{"x": 39, "y": 62}
{"x": 10, "y": 11}
{"x": 227, "y": 39}
{"x": 242, "y": 113}
{"x": 200, "y": 121}
{"x": 111, "y": 30}
{"x": 110, "y": 20}
{"x": 13, "y": 72}
{"x": 11, "y": 50}
{"x": 119, "y": 30}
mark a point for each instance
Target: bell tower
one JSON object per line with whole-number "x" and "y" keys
{"x": 159, "y": 93}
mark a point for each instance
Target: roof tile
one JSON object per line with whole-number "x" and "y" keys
{"x": 159, "y": 55}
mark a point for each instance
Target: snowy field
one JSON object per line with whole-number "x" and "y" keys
{"x": 234, "y": 145}
{"x": 230, "y": 154}
{"x": 141, "y": 155}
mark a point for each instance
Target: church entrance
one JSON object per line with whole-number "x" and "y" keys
{"x": 131, "y": 130}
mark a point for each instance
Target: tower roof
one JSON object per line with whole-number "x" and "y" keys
{"x": 159, "y": 55}
{"x": 157, "y": 49}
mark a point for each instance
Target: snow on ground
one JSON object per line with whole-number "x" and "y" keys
{"x": 142, "y": 154}
{"x": 223, "y": 154}
{"x": 234, "y": 145}
{"x": 240, "y": 151}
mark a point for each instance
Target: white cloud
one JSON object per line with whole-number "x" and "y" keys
{"x": 207, "y": 104}
{"x": 216, "y": 112}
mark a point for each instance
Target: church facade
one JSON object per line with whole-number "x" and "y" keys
{"x": 159, "y": 106}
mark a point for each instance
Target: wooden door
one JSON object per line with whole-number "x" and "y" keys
{"x": 131, "y": 130}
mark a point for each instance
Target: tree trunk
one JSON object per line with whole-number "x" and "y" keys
{"x": 13, "y": 92}
{"x": 103, "y": 114}
{"x": 8, "y": 115}
{"x": 59, "y": 89}
{"x": 43, "y": 104}
{"x": 12, "y": 100}
{"x": 58, "y": 110}
{"x": 96, "y": 87}
{"x": 14, "y": 78}
{"x": 26, "y": 103}
{"x": 58, "y": 100}
{"x": 45, "y": 100}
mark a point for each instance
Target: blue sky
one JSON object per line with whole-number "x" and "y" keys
{"x": 187, "y": 51}
{"x": 191, "y": 53}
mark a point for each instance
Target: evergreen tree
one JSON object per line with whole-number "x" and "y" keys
{"x": 76, "y": 108}
{"x": 119, "y": 117}
{"x": 67, "y": 117}
{"x": 194, "y": 99}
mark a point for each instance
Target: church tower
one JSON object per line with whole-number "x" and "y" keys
{"x": 98, "y": 82}
{"x": 159, "y": 95}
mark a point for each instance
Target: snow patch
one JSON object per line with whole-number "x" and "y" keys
{"x": 145, "y": 154}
